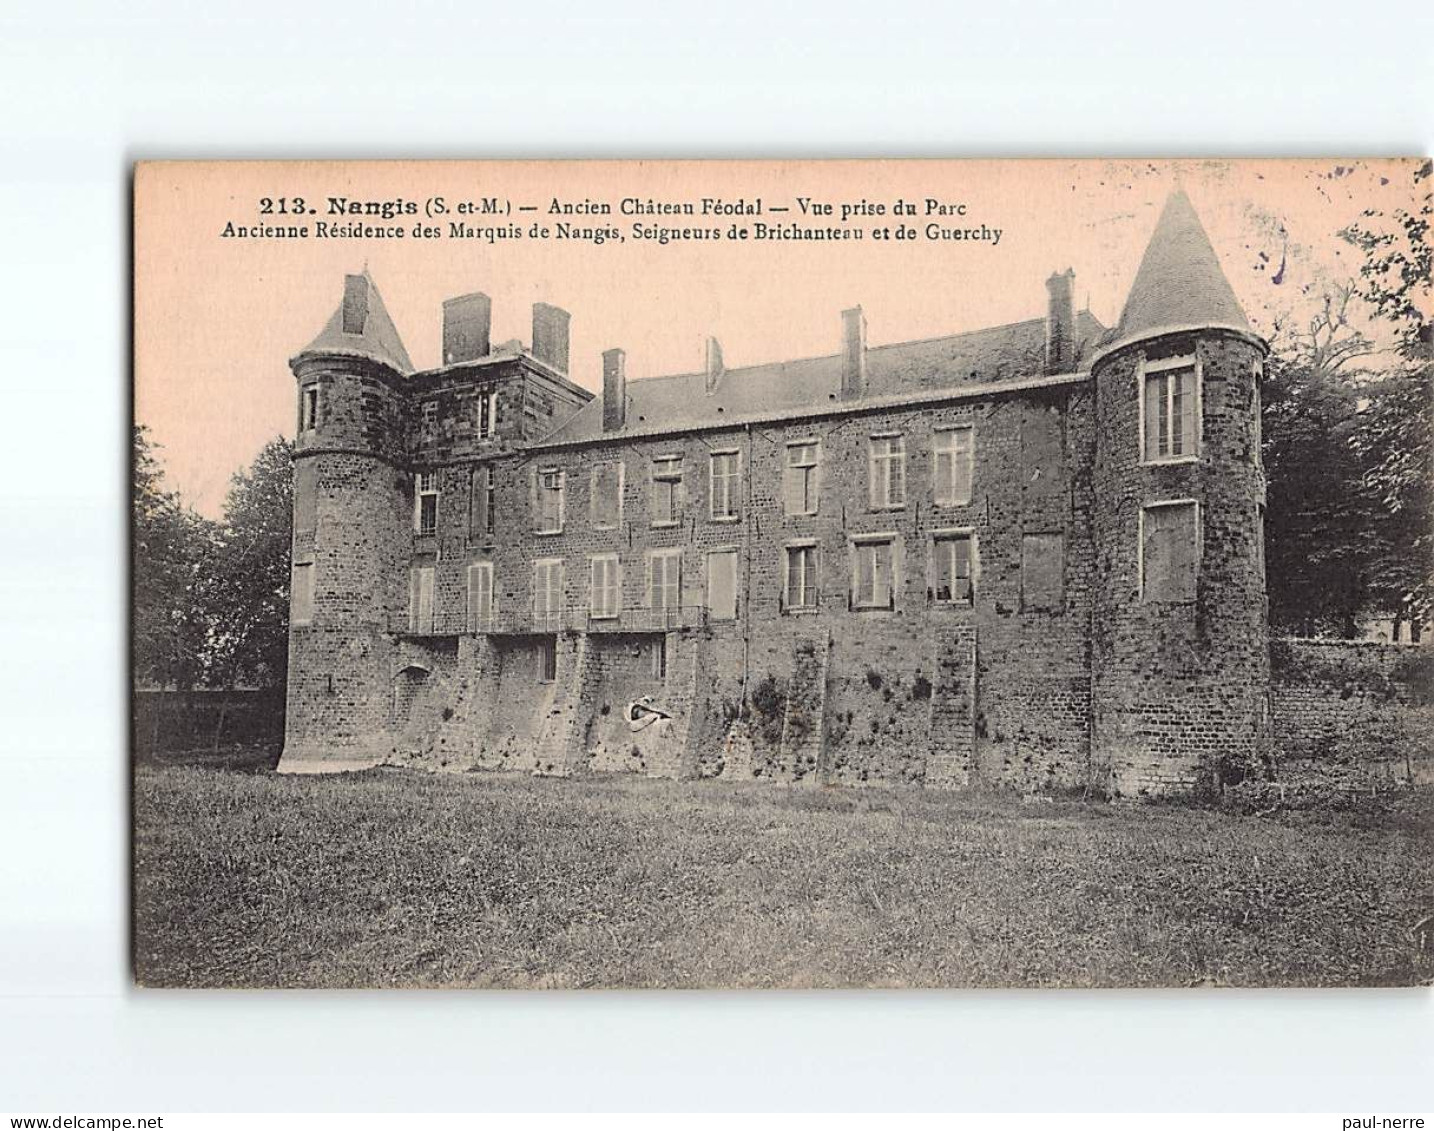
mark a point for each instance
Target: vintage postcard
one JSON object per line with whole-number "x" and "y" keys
{"x": 782, "y": 574}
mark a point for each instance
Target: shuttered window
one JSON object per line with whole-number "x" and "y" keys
{"x": 547, "y": 590}
{"x": 722, "y": 585}
{"x": 664, "y": 579}
{"x": 420, "y": 599}
{"x": 480, "y": 596}
{"x": 604, "y": 586}
{"x": 605, "y": 496}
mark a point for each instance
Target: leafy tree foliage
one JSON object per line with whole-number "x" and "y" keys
{"x": 245, "y": 593}
{"x": 170, "y": 546}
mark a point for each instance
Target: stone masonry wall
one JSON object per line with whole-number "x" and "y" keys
{"x": 1352, "y": 713}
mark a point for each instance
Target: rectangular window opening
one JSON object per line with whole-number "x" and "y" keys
{"x": 888, "y": 472}
{"x": 425, "y": 503}
{"x": 952, "y": 569}
{"x": 725, "y": 482}
{"x": 801, "y": 482}
{"x": 873, "y": 585}
{"x": 666, "y": 500}
{"x": 952, "y": 456}
{"x": 1169, "y": 551}
{"x": 1171, "y": 408}
{"x": 800, "y": 588}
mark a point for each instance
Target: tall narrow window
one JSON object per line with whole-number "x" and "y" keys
{"x": 1169, "y": 551}
{"x": 1171, "y": 411}
{"x": 430, "y": 419}
{"x": 659, "y": 657}
{"x": 888, "y": 472}
{"x": 548, "y": 660}
{"x": 550, "y": 501}
{"x": 604, "y": 586}
{"x": 666, "y": 501}
{"x": 952, "y": 451}
{"x": 1258, "y": 412}
{"x": 487, "y": 414}
{"x": 951, "y": 569}
{"x": 480, "y": 503}
{"x": 800, "y": 588}
{"x": 301, "y": 607}
{"x": 664, "y": 579}
{"x": 309, "y": 409}
{"x": 420, "y": 599}
{"x": 1043, "y": 572}
{"x": 725, "y": 475}
{"x": 872, "y": 584}
{"x": 722, "y": 585}
{"x": 425, "y": 503}
{"x": 547, "y": 591}
{"x": 801, "y": 482}
{"x": 480, "y": 596}
{"x": 306, "y": 492}
{"x": 605, "y": 495}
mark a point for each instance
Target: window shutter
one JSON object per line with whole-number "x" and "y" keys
{"x": 792, "y": 489}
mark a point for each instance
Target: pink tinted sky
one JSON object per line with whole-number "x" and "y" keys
{"x": 216, "y": 320}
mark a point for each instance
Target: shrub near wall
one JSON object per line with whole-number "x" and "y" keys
{"x": 1352, "y": 713}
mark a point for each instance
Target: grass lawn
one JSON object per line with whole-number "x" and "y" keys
{"x": 393, "y": 878}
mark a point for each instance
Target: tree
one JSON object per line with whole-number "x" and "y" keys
{"x": 170, "y": 545}
{"x": 246, "y": 585}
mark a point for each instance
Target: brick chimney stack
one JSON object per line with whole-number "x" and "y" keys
{"x": 614, "y": 390}
{"x": 467, "y": 323}
{"x": 550, "y": 335}
{"x": 853, "y": 355}
{"x": 1060, "y": 322}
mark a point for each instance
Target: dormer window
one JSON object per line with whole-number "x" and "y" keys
{"x": 1170, "y": 410}
{"x": 309, "y": 409}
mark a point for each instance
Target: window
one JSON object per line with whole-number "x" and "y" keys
{"x": 487, "y": 414}
{"x": 301, "y": 607}
{"x": 666, "y": 491}
{"x": 550, "y": 501}
{"x": 799, "y": 590}
{"x": 480, "y": 503}
{"x": 888, "y": 472}
{"x": 548, "y": 660}
{"x": 605, "y": 496}
{"x": 872, "y": 585}
{"x": 801, "y": 481}
{"x": 547, "y": 589}
{"x": 420, "y": 599}
{"x": 425, "y": 503}
{"x": 480, "y": 595}
{"x": 305, "y": 497}
{"x": 1170, "y": 410}
{"x": 1043, "y": 572}
{"x": 659, "y": 658}
{"x": 1260, "y": 539}
{"x": 951, "y": 459}
{"x": 952, "y": 562}
{"x": 664, "y": 579}
{"x": 430, "y": 419}
{"x": 309, "y": 409}
{"x": 725, "y": 473}
{"x": 1169, "y": 551}
{"x": 604, "y": 587}
{"x": 722, "y": 585}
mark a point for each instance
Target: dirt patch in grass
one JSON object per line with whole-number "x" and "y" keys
{"x": 390, "y": 878}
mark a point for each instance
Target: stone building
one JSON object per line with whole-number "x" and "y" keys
{"x": 1029, "y": 555}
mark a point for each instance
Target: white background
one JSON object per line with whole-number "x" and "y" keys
{"x": 89, "y": 88}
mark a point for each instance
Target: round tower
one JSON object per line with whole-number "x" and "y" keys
{"x": 1180, "y": 659}
{"x": 350, "y": 515}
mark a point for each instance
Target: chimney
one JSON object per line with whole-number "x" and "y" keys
{"x": 355, "y": 315}
{"x": 853, "y": 354}
{"x": 1060, "y": 322}
{"x": 715, "y": 368}
{"x": 614, "y": 390}
{"x": 467, "y": 321}
{"x": 550, "y": 335}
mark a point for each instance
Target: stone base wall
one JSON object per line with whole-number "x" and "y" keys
{"x": 1352, "y": 713}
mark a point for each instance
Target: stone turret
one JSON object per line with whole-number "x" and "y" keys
{"x": 1179, "y": 650}
{"x": 349, "y": 507}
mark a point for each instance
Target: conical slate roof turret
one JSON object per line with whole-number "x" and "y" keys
{"x": 1180, "y": 285}
{"x": 361, "y": 327}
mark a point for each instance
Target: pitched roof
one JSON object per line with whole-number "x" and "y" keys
{"x": 378, "y": 338}
{"x": 682, "y": 401}
{"x": 1179, "y": 284}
